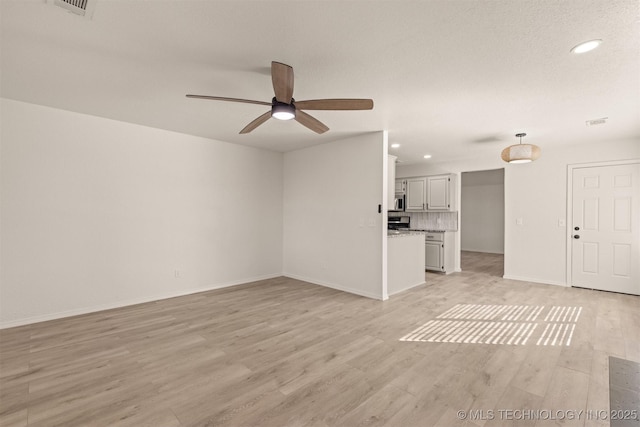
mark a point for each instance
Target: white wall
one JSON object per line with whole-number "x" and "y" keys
{"x": 97, "y": 213}
{"x": 482, "y": 211}
{"x": 332, "y": 228}
{"x": 537, "y": 193}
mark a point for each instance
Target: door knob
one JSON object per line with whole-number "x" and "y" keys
{"x": 576, "y": 228}
{"x": 575, "y": 236}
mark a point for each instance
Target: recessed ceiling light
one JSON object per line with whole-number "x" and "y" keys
{"x": 586, "y": 46}
{"x": 395, "y": 145}
{"x": 427, "y": 156}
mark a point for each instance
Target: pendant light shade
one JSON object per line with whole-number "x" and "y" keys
{"x": 521, "y": 153}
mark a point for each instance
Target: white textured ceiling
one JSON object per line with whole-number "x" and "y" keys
{"x": 452, "y": 78}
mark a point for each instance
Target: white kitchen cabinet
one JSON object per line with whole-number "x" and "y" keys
{"x": 439, "y": 251}
{"x": 416, "y": 194}
{"x": 401, "y": 186}
{"x": 433, "y": 256}
{"x": 439, "y": 192}
{"x": 431, "y": 193}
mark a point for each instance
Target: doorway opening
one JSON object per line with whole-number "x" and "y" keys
{"x": 482, "y": 222}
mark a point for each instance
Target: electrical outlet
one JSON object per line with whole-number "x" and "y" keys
{"x": 176, "y": 274}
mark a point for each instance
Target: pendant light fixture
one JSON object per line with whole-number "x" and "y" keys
{"x": 521, "y": 153}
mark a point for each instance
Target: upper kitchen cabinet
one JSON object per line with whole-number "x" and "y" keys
{"x": 431, "y": 193}
{"x": 416, "y": 194}
{"x": 440, "y": 192}
{"x": 401, "y": 186}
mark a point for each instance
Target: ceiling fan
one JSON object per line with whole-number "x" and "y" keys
{"x": 284, "y": 107}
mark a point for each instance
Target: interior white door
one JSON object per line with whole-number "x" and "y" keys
{"x": 605, "y": 251}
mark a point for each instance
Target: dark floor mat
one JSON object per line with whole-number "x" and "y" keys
{"x": 624, "y": 392}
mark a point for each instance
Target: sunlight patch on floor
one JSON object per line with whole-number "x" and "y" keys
{"x": 500, "y": 324}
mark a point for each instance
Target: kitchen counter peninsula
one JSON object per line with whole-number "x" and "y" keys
{"x": 405, "y": 260}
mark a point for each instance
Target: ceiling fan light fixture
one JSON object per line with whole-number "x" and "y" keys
{"x": 282, "y": 111}
{"x": 521, "y": 153}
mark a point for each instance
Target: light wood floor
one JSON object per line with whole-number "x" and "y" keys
{"x": 282, "y": 352}
{"x": 480, "y": 262}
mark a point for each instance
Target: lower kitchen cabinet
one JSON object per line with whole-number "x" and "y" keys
{"x": 433, "y": 256}
{"x": 439, "y": 251}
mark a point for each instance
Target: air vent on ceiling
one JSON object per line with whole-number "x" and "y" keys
{"x": 78, "y": 7}
{"x": 595, "y": 122}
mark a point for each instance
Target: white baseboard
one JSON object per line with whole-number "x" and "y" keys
{"x": 535, "y": 280}
{"x": 125, "y": 303}
{"x": 334, "y": 286}
{"x": 407, "y": 288}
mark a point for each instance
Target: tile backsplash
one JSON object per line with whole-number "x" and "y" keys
{"x": 433, "y": 220}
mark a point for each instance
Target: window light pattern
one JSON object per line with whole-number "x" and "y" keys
{"x": 500, "y": 324}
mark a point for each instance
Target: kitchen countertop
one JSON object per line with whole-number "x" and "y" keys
{"x": 410, "y": 231}
{"x": 404, "y": 233}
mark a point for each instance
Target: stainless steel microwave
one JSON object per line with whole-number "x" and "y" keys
{"x": 399, "y": 203}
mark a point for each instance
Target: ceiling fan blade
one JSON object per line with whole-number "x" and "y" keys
{"x": 314, "y": 124}
{"x": 282, "y": 79}
{"x": 335, "y": 104}
{"x": 221, "y": 98}
{"x": 257, "y": 122}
